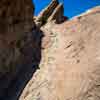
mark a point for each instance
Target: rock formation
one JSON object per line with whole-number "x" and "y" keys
{"x": 16, "y": 14}
{"x": 57, "y": 14}
{"x": 19, "y": 41}
{"x": 68, "y": 55}
{"x": 54, "y": 11}
{"x": 70, "y": 65}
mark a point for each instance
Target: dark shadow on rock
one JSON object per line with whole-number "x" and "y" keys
{"x": 62, "y": 20}
{"x": 17, "y": 85}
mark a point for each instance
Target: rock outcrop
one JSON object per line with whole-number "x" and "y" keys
{"x": 57, "y": 15}
{"x": 70, "y": 65}
{"x": 53, "y": 12}
{"x": 68, "y": 55}
{"x": 15, "y": 16}
{"x": 19, "y": 42}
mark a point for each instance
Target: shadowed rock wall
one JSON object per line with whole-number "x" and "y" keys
{"x": 19, "y": 44}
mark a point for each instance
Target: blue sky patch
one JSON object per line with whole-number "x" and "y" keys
{"x": 71, "y": 7}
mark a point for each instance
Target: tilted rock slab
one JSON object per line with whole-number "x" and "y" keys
{"x": 48, "y": 10}
{"x": 57, "y": 14}
{"x": 70, "y": 66}
{"x": 54, "y": 11}
{"x": 15, "y": 15}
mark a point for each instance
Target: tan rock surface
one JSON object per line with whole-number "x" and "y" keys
{"x": 70, "y": 66}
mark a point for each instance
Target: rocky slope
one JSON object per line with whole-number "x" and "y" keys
{"x": 70, "y": 65}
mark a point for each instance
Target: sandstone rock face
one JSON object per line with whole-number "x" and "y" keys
{"x": 70, "y": 65}
{"x": 18, "y": 40}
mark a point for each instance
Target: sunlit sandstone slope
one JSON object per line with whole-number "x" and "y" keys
{"x": 70, "y": 65}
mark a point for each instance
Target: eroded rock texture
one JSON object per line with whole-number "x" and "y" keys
{"x": 70, "y": 65}
{"x": 19, "y": 43}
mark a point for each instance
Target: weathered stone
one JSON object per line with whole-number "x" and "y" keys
{"x": 48, "y": 10}
{"x": 53, "y": 12}
{"x": 57, "y": 15}
{"x": 70, "y": 66}
{"x": 46, "y": 13}
{"x": 18, "y": 41}
{"x": 15, "y": 16}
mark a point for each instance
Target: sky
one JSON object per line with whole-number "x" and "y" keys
{"x": 71, "y": 7}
